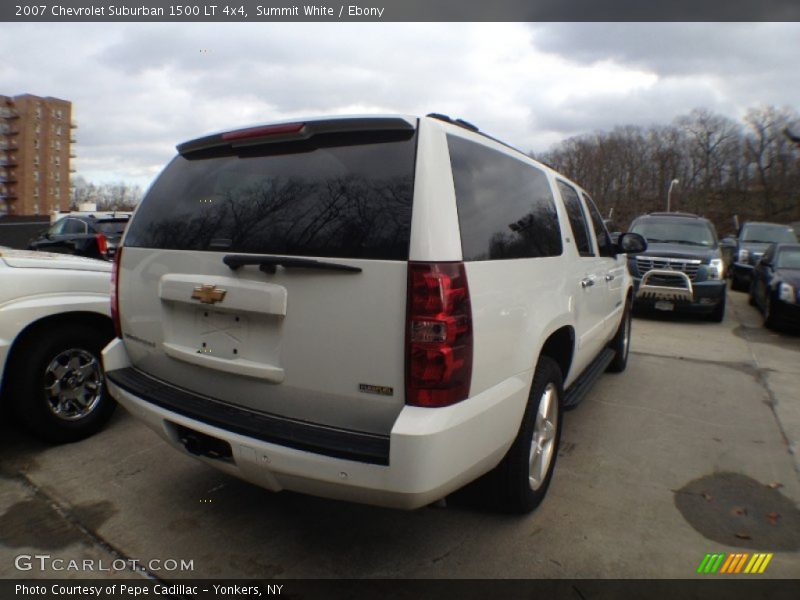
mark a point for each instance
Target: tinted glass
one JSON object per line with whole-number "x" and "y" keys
{"x": 505, "y": 206}
{"x": 346, "y": 197}
{"x": 600, "y": 232}
{"x": 675, "y": 231}
{"x": 788, "y": 258}
{"x": 758, "y": 232}
{"x": 111, "y": 227}
{"x": 577, "y": 219}
{"x": 57, "y": 227}
{"x": 74, "y": 226}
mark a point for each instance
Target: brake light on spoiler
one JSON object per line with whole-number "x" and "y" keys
{"x": 439, "y": 334}
{"x": 267, "y": 130}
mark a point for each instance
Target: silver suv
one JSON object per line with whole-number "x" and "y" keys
{"x": 379, "y": 309}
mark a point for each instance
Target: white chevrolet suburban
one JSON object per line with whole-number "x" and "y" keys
{"x": 378, "y": 309}
{"x": 54, "y": 321}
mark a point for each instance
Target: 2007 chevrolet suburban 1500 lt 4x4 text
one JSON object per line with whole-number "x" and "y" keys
{"x": 379, "y": 309}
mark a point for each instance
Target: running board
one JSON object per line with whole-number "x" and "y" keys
{"x": 585, "y": 380}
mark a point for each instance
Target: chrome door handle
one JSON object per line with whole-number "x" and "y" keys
{"x": 588, "y": 282}
{"x": 609, "y": 277}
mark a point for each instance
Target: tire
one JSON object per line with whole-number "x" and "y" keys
{"x": 718, "y": 314}
{"x": 517, "y": 489}
{"x": 57, "y": 385}
{"x": 621, "y": 343}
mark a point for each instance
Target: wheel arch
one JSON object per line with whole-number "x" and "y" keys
{"x": 560, "y": 346}
{"x": 94, "y": 320}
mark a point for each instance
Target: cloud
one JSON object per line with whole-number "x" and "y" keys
{"x": 139, "y": 89}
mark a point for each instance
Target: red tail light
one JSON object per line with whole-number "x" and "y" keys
{"x": 115, "y": 292}
{"x": 102, "y": 244}
{"x": 439, "y": 334}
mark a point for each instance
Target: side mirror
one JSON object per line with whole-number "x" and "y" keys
{"x": 631, "y": 243}
{"x": 727, "y": 242}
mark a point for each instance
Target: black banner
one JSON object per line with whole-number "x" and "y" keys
{"x": 398, "y": 10}
{"x": 716, "y": 588}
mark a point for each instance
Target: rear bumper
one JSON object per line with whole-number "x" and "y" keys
{"x": 431, "y": 452}
{"x": 705, "y": 296}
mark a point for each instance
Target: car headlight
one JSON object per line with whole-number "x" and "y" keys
{"x": 716, "y": 269}
{"x": 786, "y": 292}
{"x": 744, "y": 254}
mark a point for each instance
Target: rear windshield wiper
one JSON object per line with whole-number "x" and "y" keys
{"x": 268, "y": 264}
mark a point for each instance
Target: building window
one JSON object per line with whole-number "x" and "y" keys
{"x": 58, "y": 161}
{"x": 58, "y": 145}
{"x": 58, "y": 130}
{"x": 36, "y": 176}
{"x": 36, "y": 144}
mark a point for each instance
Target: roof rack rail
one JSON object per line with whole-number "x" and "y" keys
{"x": 459, "y": 122}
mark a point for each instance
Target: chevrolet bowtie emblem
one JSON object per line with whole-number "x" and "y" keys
{"x": 208, "y": 294}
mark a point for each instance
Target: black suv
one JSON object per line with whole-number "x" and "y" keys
{"x": 751, "y": 243}
{"x": 83, "y": 235}
{"x": 682, "y": 269}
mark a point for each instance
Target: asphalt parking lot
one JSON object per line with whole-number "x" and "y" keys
{"x": 693, "y": 450}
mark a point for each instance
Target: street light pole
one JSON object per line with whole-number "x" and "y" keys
{"x": 669, "y": 193}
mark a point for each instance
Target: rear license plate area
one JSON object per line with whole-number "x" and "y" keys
{"x": 664, "y": 305}
{"x": 201, "y": 444}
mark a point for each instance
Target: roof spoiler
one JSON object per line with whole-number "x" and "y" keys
{"x": 292, "y": 132}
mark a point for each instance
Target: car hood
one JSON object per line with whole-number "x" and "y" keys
{"x": 680, "y": 251}
{"x": 48, "y": 260}
{"x": 790, "y": 276}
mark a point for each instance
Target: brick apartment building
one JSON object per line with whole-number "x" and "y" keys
{"x": 35, "y": 151}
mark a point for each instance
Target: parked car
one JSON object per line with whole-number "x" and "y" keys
{"x": 775, "y": 285}
{"x": 751, "y": 242}
{"x": 54, "y": 321}
{"x": 682, "y": 269}
{"x": 83, "y": 235}
{"x": 379, "y": 309}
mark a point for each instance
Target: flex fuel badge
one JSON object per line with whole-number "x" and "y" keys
{"x": 381, "y": 390}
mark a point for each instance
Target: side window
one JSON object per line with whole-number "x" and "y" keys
{"x": 57, "y": 228}
{"x": 600, "y": 232}
{"x": 505, "y": 206}
{"x": 577, "y": 219}
{"x": 74, "y": 226}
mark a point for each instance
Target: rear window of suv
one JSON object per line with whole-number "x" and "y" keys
{"x": 505, "y": 206}
{"x": 343, "y": 197}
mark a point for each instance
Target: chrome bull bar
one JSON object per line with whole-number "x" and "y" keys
{"x": 680, "y": 290}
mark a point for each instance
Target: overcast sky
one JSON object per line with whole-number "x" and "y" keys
{"x": 138, "y": 89}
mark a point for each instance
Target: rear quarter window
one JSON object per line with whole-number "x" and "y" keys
{"x": 505, "y": 206}
{"x": 338, "y": 197}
